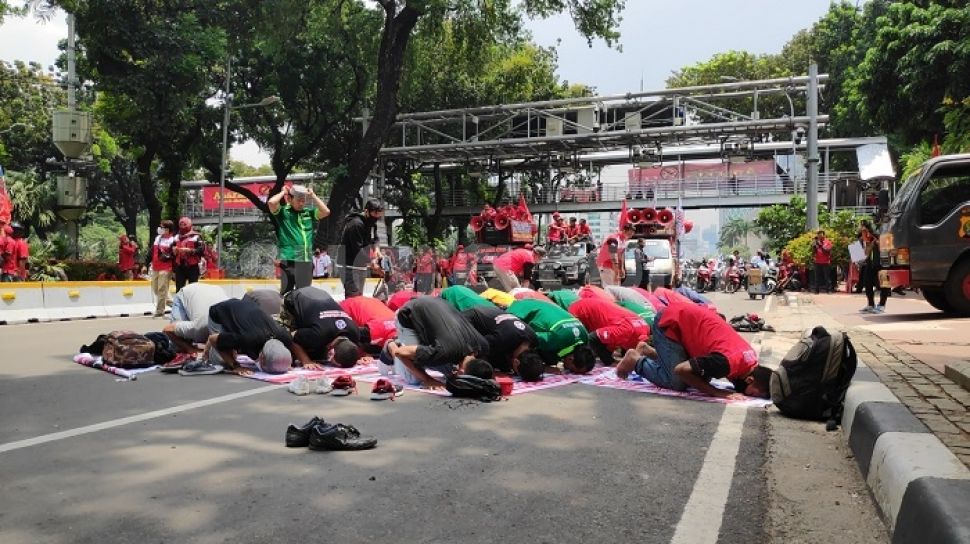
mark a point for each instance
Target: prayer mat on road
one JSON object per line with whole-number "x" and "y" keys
{"x": 94, "y": 361}
{"x": 518, "y": 386}
{"x": 369, "y": 367}
{"x": 608, "y": 379}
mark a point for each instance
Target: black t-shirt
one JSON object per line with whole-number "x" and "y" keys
{"x": 446, "y": 337}
{"x": 318, "y": 320}
{"x": 503, "y": 331}
{"x": 245, "y": 328}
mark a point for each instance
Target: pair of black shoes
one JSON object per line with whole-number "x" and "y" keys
{"x": 317, "y": 434}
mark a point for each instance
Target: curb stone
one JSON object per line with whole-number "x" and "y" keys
{"x": 920, "y": 486}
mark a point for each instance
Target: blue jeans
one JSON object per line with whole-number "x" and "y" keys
{"x": 178, "y": 309}
{"x": 408, "y": 337}
{"x": 660, "y": 371}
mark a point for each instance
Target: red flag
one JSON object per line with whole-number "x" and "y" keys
{"x": 6, "y": 207}
{"x": 524, "y": 209}
{"x": 623, "y": 216}
{"x": 937, "y": 151}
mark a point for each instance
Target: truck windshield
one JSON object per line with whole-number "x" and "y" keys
{"x": 906, "y": 192}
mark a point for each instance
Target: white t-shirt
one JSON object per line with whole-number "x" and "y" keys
{"x": 321, "y": 265}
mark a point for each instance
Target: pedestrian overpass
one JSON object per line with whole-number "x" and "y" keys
{"x": 555, "y": 153}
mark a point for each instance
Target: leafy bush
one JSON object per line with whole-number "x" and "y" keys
{"x": 91, "y": 270}
{"x": 801, "y": 247}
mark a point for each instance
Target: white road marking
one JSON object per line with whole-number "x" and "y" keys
{"x": 70, "y": 433}
{"x": 701, "y": 521}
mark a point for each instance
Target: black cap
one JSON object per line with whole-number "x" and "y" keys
{"x": 373, "y": 205}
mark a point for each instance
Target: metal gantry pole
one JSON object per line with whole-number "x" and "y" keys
{"x": 227, "y": 105}
{"x": 812, "y": 149}
{"x": 71, "y": 63}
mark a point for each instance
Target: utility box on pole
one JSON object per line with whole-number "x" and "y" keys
{"x": 72, "y": 196}
{"x": 72, "y": 133}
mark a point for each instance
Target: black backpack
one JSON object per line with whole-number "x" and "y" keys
{"x": 814, "y": 376}
{"x": 473, "y": 387}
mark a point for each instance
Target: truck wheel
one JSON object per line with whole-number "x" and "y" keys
{"x": 957, "y": 288}
{"x": 937, "y": 299}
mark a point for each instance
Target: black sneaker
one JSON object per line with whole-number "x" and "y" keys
{"x": 299, "y": 437}
{"x": 200, "y": 368}
{"x": 339, "y": 437}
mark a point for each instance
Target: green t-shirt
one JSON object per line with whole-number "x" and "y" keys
{"x": 296, "y": 233}
{"x": 645, "y": 313}
{"x": 559, "y": 332}
{"x": 463, "y": 298}
{"x": 564, "y": 297}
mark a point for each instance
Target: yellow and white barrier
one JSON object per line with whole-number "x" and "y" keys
{"x": 74, "y": 299}
{"x": 22, "y": 303}
{"x": 51, "y": 301}
{"x": 127, "y": 298}
{"x": 332, "y": 286}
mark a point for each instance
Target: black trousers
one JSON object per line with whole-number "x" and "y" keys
{"x": 823, "y": 277}
{"x": 185, "y": 274}
{"x": 294, "y": 275}
{"x": 870, "y": 280}
{"x": 353, "y": 281}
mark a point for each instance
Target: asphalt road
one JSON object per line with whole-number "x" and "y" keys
{"x": 571, "y": 464}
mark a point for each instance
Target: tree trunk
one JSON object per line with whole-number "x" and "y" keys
{"x": 390, "y": 66}
{"x": 147, "y": 185}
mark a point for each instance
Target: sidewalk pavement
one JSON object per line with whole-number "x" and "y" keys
{"x": 907, "y": 424}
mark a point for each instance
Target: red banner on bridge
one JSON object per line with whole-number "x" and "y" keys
{"x": 234, "y": 200}
{"x": 693, "y": 171}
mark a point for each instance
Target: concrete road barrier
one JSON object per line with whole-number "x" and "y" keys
{"x": 127, "y": 298}
{"x": 74, "y": 299}
{"x": 22, "y": 303}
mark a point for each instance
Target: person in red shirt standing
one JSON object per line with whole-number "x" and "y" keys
{"x": 19, "y": 237}
{"x": 692, "y": 346}
{"x": 612, "y": 257}
{"x": 460, "y": 266}
{"x": 126, "y": 257}
{"x": 424, "y": 272}
{"x": 8, "y": 254}
{"x": 163, "y": 258}
{"x": 822, "y": 247}
{"x": 513, "y": 268}
{"x": 612, "y": 327}
{"x": 375, "y": 322}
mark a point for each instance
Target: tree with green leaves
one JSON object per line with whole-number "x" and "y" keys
{"x": 477, "y": 20}
{"x": 735, "y": 232}
{"x": 155, "y": 64}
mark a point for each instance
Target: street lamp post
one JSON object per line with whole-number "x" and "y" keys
{"x": 227, "y": 108}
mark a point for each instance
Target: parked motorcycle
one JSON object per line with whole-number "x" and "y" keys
{"x": 705, "y": 280}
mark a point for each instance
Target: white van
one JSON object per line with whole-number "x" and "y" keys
{"x": 660, "y": 262}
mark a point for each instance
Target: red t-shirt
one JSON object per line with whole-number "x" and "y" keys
{"x": 373, "y": 314}
{"x": 595, "y": 313}
{"x": 584, "y": 228}
{"x": 612, "y": 245}
{"x": 460, "y": 261}
{"x": 399, "y": 299}
{"x": 823, "y": 253}
{"x": 514, "y": 261}
{"x": 23, "y": 253}
{"x": 702, "y": 332}
{"x": 615, "y": 326}
{"x": 425, "y": 264}
{"x": 126, "y": 257}
{"x": 595, "y": 291}
{"x": 8, "y": 255}
{"x": 444, "y": 266}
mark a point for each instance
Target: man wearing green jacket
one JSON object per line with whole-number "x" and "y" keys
{"x": 561, "y": 336}
{"x": 463, "y": 298}
{"x": 297, "y": 224}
